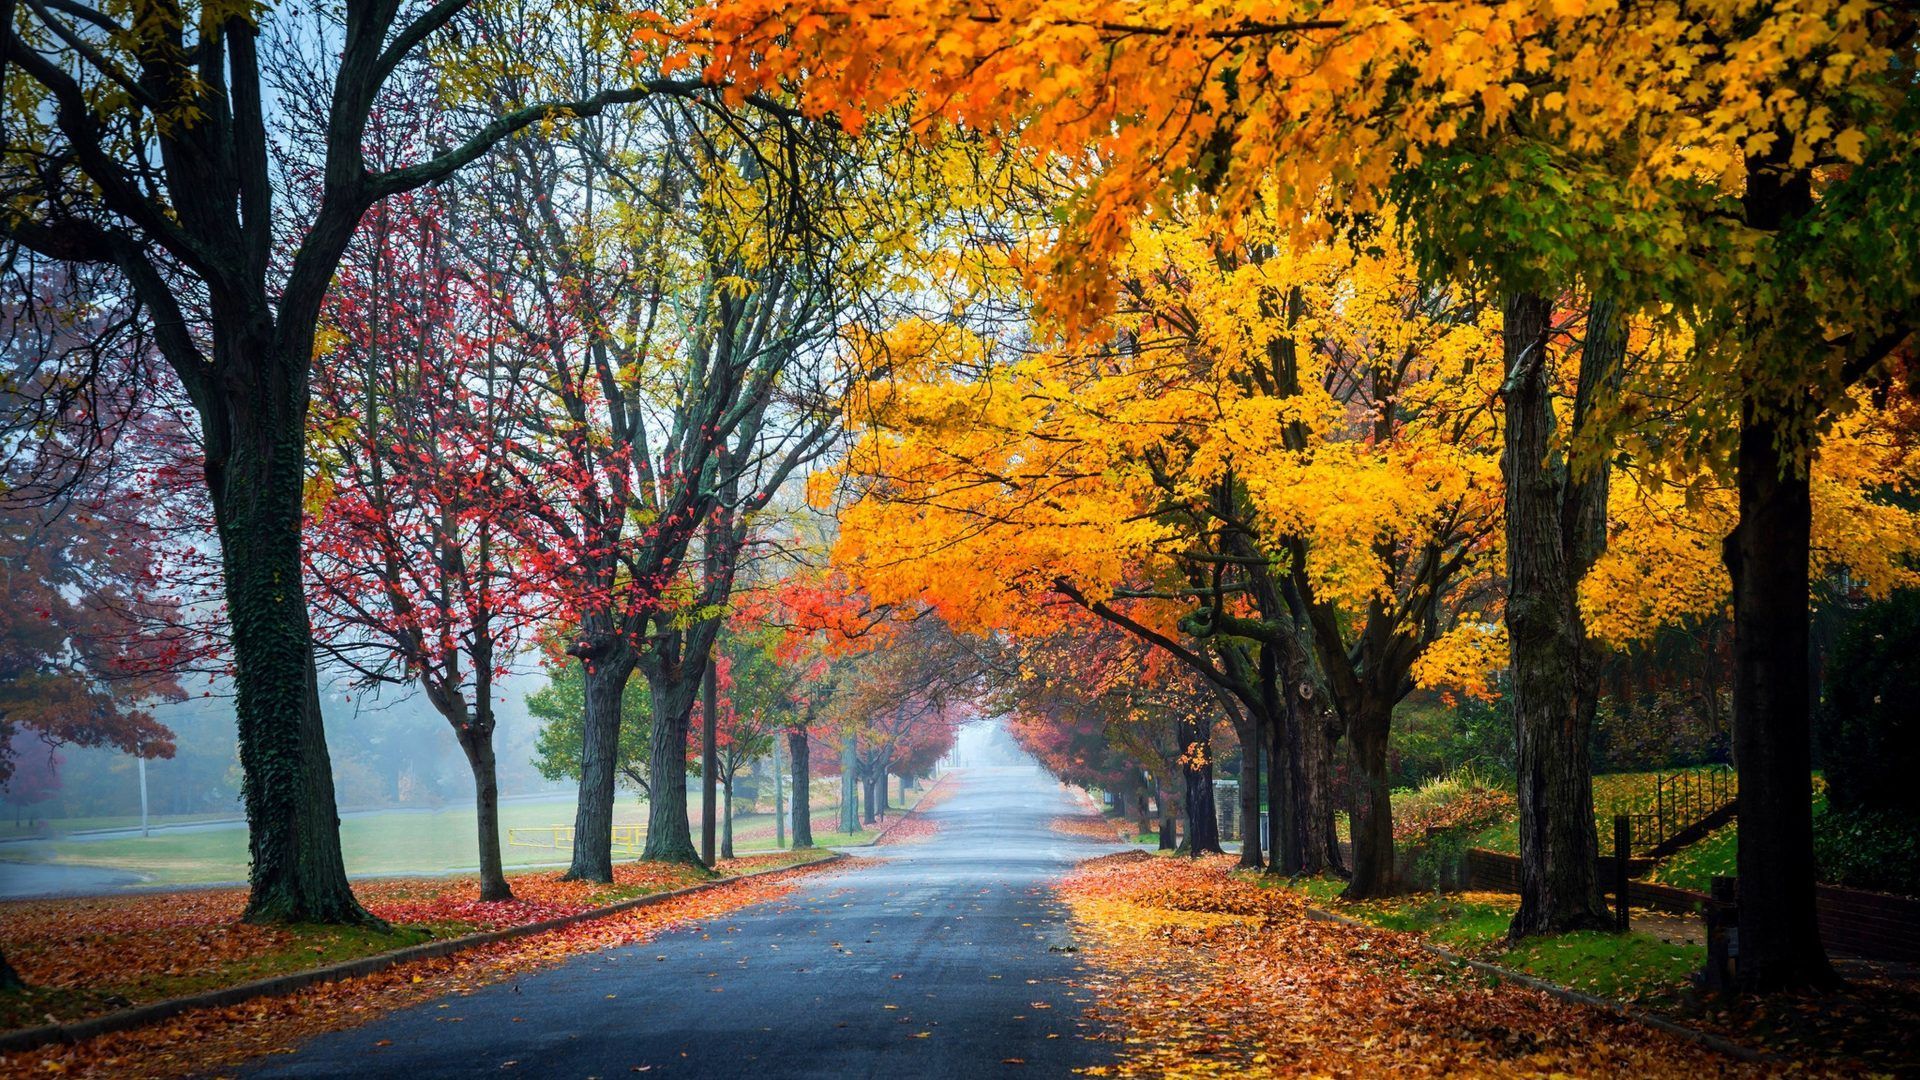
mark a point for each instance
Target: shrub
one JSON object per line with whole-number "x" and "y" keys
{"x": 1868, "y": 849}
{"x": 1868, "y": 735}
{"x": 1462, "y": 802}
{"x": 1435, "y": 735}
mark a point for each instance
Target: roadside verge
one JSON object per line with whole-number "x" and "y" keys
{"x": 282, "y": 985}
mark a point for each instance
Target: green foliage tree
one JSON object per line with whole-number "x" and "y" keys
{"x": 560, "y": 706}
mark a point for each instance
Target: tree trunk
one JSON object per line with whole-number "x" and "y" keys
{"x": 1142, "y": 810}
{"x": 849, "y": 788}
{"x": 1283, "y": 832}
{"x": 669, "y": 832}
{"x": 605, "y": 683}
{"x": 1169, "y": 816}
{"x": 486, "y": 803}
{"x": 1312, "y": 730}
{"x": 293, "y": 826}
{"x": 726, "y": 822}
{"x": 799, "y": 751}
{"x": 9, "y": 978}
{"x": 1319, "y": 735}
{"x": 1768, "y": 555}
{"x": 1203, "y": 817}
{"x": 1250, "y": 741}
{"x": 866, "y": 783}
{"x": 1551, "y": 694}
{"x": 1371, "y": 817}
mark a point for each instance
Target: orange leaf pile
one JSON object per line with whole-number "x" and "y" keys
{"x": 1204, "y": 974}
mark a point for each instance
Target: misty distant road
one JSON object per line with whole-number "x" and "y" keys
{"x": 959, "y": 934}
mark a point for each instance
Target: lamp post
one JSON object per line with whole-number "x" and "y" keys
{"x": 709, "y": 772}
{"x": 140, "y": 762}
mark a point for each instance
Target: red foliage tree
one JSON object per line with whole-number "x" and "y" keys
{"x": 416, "y": 575}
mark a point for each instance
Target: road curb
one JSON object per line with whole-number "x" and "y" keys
{"x": 1567, "y": 994}
{"x": 282, "y": 985}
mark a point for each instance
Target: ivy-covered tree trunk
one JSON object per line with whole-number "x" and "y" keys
{"x": 1552, "y": 677}
{"x": 604, "y": 681}
{"x": 256, "y": 468}
{"x": 1768, "y": 555}
{"x": 799, "y": 753}
{"x": 478, "y": 746}
{"x": 669, "y": 832}
{"x": 1371, "y": 817}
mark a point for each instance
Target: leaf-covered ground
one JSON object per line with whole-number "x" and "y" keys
{"x": 85, "y": 956}
{"x": 910, "y": 830}
{"x": 214, "y": 1040}
{"x": 1206, "y": 974}
{"x": 1638, "y": 967}
{"x": 1091, "y": 826}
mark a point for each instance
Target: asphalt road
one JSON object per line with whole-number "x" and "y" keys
{"x": 945, "y": 958}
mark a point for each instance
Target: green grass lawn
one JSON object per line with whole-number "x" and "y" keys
{"x": 400, "y": 841}
{"x": 388, "y": 842}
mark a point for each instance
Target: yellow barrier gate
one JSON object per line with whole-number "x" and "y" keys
{"x": 627, "y": 839}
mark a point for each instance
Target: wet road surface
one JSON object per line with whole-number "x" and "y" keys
{"x": 943, "y": 958}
